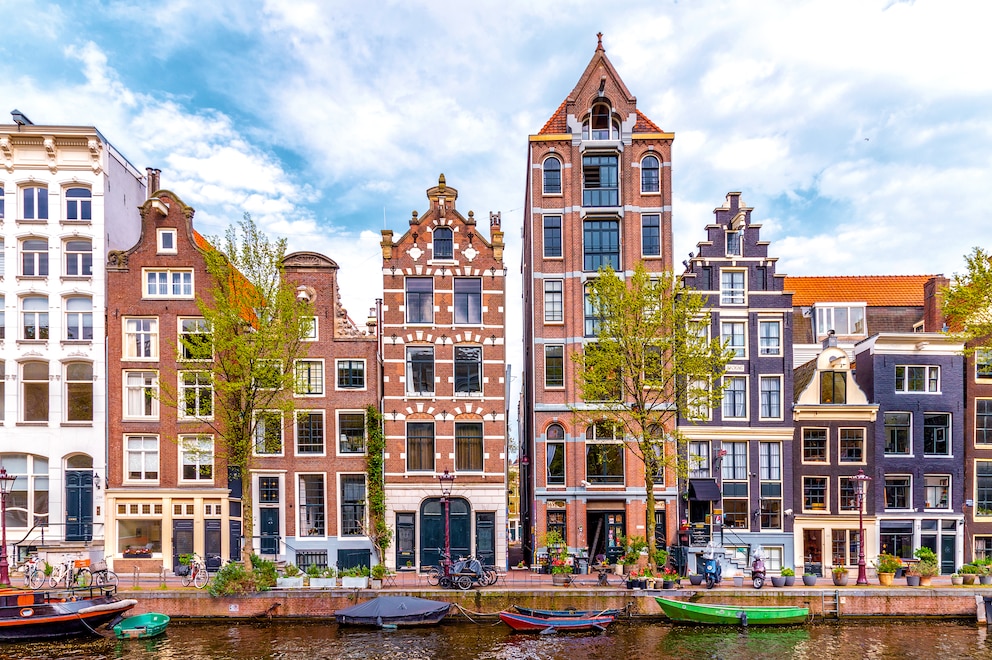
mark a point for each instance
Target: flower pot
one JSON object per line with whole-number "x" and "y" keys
{"x": 840, "y": 580}
{"x": 355, "y": 582}
{"x": 885, "y": 579}
{"x": 925, "y": 580}
{"x": 968, "y": 578}
{"x": 695, "y": 580}
{"x": 957, "y": 580}
{"x": 985, "y": 579}
{"x": 790, "y": 580}
{"x": 667, "y": 584}
{"x": 738, "y": 580}
{"x": 809, "y": 580}
{"x": 560, "y": 579}
{"x": 322, "y": 583}
{"x": 912, "y": 580}
{"x": 376, "y": 584}
{"x": 289, "y": 582}
{"x": 778, "y": 581}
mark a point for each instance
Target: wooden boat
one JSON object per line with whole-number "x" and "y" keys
{"x": 548, "y": 614}
{"x": 686, "y": 612}
{"x": 541, "y": 624}
{"x": 31, "y": 615}
{"x": 393, "y": 611}
{"x": 142, "y": 626}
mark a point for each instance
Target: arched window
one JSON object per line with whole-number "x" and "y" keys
{"x": 34, "y": 391}
{"x": 34, "y": 318}
{"x": 78, "y": 257}
{"x": 650, "y": 175}
{"x": 78, "y": 204}
{"x": 601, "y": 125}
{"x": 555, "y": 432}
{"x": 443, "y": 243}
{"x": 79, "y": 392}
{"x": 34, "y": 203}
{"x": 552, "y": 176}
{"x": 34, "y": 257}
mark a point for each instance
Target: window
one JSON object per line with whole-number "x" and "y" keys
{"x": 468, "y": 300}
{"x": 267, "y": 375}
{"x": 34, "y": 257}
{"x": 78, "y": 319}
{"x": 468, "y": 447}
{"x": 552, "y": 176}
{"x": 936, "y": 434}
{"x": 814, "y": 445}
{"x": 600, "y": 244}
{"x": 141, "y": 394}
{"x": 732, "y": 287}
{"x": 420, "y": 370}
{"x": 897, "y": 438}
{"x": 166, "y": 241}
{"x": 195, "y": 341}
{"x": 814, "y": 493}
{"x": 420, "y": 446}
{"x": 268, "y": 490}
{"x": 651, "y": 235}
{"x": 734, "y": 466}
{"x": 79, "y": 392}
{"x": 771, "y": 397}
{"x": 983, "y": 356}
{"x": 733, "y": 243}
{"x": 897, "y": 492}
{"x": 770, "y": 475}
{"x": 27, "y": 501}
{"x": 844, "y": 547}
{"x": 443, "y": 242}
{"x": 419, "y": 300}
{"x": 983, "y": 488}
{"x": 917, "y": 379}
{"x": 34, "y": 202}
{"x": 141, "y": 457}
{"x": 650, "y": 175}
{"x": 600, "y": 124}
{"x": 552, "y": 236}
{"x": 848, "y": 494}
{"x": 310, "y": 377}
{"x": 600, "y": 185}
{"x": 351, "y": 374}
{"x": 842, "y": 320}
{"x": 770, "y": 337}
{"x": 833, "y": 387}
{"x": 309, "y": 327}
{"x": 468, "y": 369}
{"x": 554, "y": 306}
{"x": 311, "y": 503}
{"x": 78, "y": 204}
{"x": 310, "y": 432}
{"x": 351, "y": 432}
{"x": 140, "y": 338}
{"x": 735, "y": 397}
{"x": 34, "y": 389}
{"x": 168, "y": 284}
{"x": 352, "y": 505}
{"x": 34, "y": 315}
{"x": 604, "y": 464}
{"x": 554, "y": 369}
{"x": 699, "y": 460}
{"x": 268, "y": 432}
{"x": 983, "y": 419}
{"x": 852, "y": 446}
{"x": 197, "y": 457}
{"x": 556, "y": 518}
{"x": 196, "y": 395}
{"x": 937, "y": 490}
{"x": 591, "y": 318}
{"x": 734, "y": 335}
{"x": 78, "y": 258}
{"x": 555, "y": 456}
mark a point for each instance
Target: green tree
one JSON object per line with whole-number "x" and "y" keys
{"x": 968, "y": 301}
{"x": 378, "y": 531}
{"x": 652, "y": 362}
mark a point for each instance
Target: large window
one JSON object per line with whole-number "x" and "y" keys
{"x": 310, "y": 432}
{"x": 734, "y": 336}
{"x": 168, "y": 284}
{"x": 897, "y": 433}
{"x": 833, "y": 387}
{"x": 983, "y": 488}
{"x": 848, "y": 494}
{"x": 814, "y": 445}
{"x": 843, "y": 320}
{"x": 419, "y": 300}
{"x": 917, "y": 379}
{"x": 311, "y": 504}
{"x": 351, "y": 432}
{"x": 733, "y": 243}
{"x": 600, "y": 244}
{"x": 34, "y": 203}
{"x": 34, "y": 391}
{"x": 556, "y": 455}
{"x": 27, "y": 501}
{"x": 141, "y": 457}
{"x": 78, "y": 392}
{"x": 983, "y": 420}
{"x": 468, "y": 447}
{"x": 898, "y": 492}
{"x": 310, "y": 377}
{"x": 735, "y": 397}
{"x": 770, "y": 475}
{"x": 591, "y": 317}
{"x": 770, "y": 337}
{"x": 604, "y": 464}
{"x": 78, "y": 319}
{"x": 600, "y": 124}
{"x": 78, "y": 204}
{"x": 699, "y": 459}
{"x": 650, "y": 175}
{"x": 937, "y": 490}
{"x": 351, "y": 374}
{"x": 468, "y": 300}
{"x": 141, "y": 394}
{"x": 936, "y": 434}
{"x": 140, "y": 338}
{"x": 197, "y": 457}
{"x": 352, "y": 505}
{"x": 554, "y": 367}
{"x": 814, "y": 493}
{"x": 552, "y": 236}
{"x": 983, "y": 356}
{"x": 78, "y": 258}
{"x": 732, "y": 287}
{"x": 268, "y": 432}
{"x": 852, "y": 446}
{"x": 34, "y": 317}
{"x": 552, "y": 176}
{"x": 735, "y": 485}
{"x": 196, "y": 395}
{"x": 771, "y": 397}
{"x": 734, "y": 465}
{"x": 468, "y": 369}
{"x": 554, "y": 310}
{"x": 443, "y": 243}
{"x": 420, "y": 446}
{"x": 651, "y": 235}
{"x": 420, "y": 370}
{"x": 195, "y": 339}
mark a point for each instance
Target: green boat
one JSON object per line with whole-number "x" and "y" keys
{"x": 732, "y": 615}
{"x": 141, "y": 626}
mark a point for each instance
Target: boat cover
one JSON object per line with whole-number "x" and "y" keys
{"x": 387, "y": 609}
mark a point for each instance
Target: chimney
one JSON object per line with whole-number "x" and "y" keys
{"x": 152, "y": 179}
{"x": 933, "y": 302}
{"x": 831, "y": 340}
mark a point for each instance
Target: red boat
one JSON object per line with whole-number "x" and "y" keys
{"x": 31, "y": 615}
{"x": 528, "y": 623}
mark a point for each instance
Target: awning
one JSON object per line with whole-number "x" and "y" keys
{"x": 704, "y": 490}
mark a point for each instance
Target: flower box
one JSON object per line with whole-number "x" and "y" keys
{"x": 323, "y": 583}
{"x": 355, "y": 582}
{"x": 289, "y": 582}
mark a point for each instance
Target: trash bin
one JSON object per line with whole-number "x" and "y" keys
{"x": 583, "y": 565}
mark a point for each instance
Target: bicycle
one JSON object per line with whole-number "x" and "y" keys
{"x": 103, "y": 576}
{"x": 74, "y": 572}
{"x": 34, "y": 572}
{"x": 198, "y": 575}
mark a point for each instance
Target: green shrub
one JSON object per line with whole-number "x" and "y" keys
{"x": 313, "y": 570}
{"x": 233, "y": 579}
{"x": 291, "y": 570}
{"x": 379, "y": 571}
{"x": 788, "y": 572}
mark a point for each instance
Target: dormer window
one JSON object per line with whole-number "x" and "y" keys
{"x": 443, "y": 243}
{"x": 733, "y": 244}
{"x": 601, "y": 125}
{"x": 842, "y": 319}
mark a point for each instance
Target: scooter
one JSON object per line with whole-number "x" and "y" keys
{"x": 712, "y": 571}
{"x": 758, "y": 571}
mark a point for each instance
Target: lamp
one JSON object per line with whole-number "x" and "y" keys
{"x": 861, "y": 479}
{"x": 6, "y": 484}
{"x": 446, "y": 480}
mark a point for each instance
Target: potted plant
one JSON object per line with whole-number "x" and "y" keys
{"x": 321, "y": 578}
{"x": 356, "y": 577}
{"x": 957, "y": 579}
{"x": 839, "y": 574}
{"x": 968, "y": 573}
{"x": 912, "y": 577}
{"x": 561, "y": 572}
{"x": 985, "y": 574}
{"x": 789, "y": 575}
{"x": 809, "y": 579}
{"x": 379, "y": 573}
{"x": 927, "y": 567}
{"x": 695, "y": 579}
{"x": 669, "y": 578}
{"x": 779, "y": 580}
{"x": 886, "y": 567}
{"x": 182, "y": 567}
{"x": 291, "y": 578}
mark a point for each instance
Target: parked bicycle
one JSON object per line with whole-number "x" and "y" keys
{"x": 74, "y": 572}
{"x": 197, "y": 575}
{"x": 462, "y": 573}
{"x": 103, "y": 576}
{"x": 34, "y": 572}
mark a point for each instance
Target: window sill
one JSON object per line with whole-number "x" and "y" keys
{"x": 77, "y": 342}
{"x": 140, "y": 419}
{"x": 42, "y": 424}
{"x": 32, "y": 278}
{"x": 32, "y": 342}
{"x": 77, "y": 278}
{"x": 31, "y": 221}
{"x": 75, "y": 222}
{"x": 78, "y": 424}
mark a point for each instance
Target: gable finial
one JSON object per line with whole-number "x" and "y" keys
{"x": 599, "y": 37}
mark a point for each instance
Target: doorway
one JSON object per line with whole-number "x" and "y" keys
{"x": 606, "y": 528}
{"x": 432, "y": 530}
{"x": 813, "y": 551}
{"x": 79, "y": 505}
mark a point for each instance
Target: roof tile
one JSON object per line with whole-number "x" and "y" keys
{"x": 873, "y": 290}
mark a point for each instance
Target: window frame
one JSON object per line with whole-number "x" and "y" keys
{"x": 259, "y": 433}
{"x": 76, "y": 204}
{"x": 551, "y": 236}
{"x": 983, "y": 364}
{"x": 930, "y": 427}
{"x": 152, "y": 341}
{"x": 431, "y": 438}
{"x": 927, "y": 477}
{"x": 842, "y": 453}
{"x": 149, "y": 395}
{"x": 601, "y": 243}
{"x": 765, "y": 348}
{"x": 75, "y": 386}
{"x": 554, "y": 301}
{"x": 447, "y": 245}
{"x": 555, "y": 461}
{"x": 904, "y": 380}
{"x": 341, "y": 451}
{"x": 171, "y": 284}
{"x": 353, "y": 370}
{"x": 40, "y": 259}
{"x": 467, "y": 371}
{"x": 40, "y": 319}
{"x": 732, "y": 291}
{"x": 184, "y": 442}
{"x": 351, "y": 525}
{"x": 83, "y": 268}
{"x": 907, "y": 487}
{"x": 188, "y": 347}
{"x": 304, "y": 506}
{"x": 144, "y": 452}
{"x": 548, "y": 361}
{"x": 815, "y": 445}
{"x": 764, "y": 397}
{"x": 825, "y": 315}
{"x": 39, "y": 207}
{"x": 983, "y": 422}
{"x": 470, "y": 447}
{"x": 650, "y": 234}
{"x": 549, "y": 174}
{"x": 817, "y": 503}
{"x": 303, "y": 421}
{"x": 738, "y": 332}
{"x": 197, "y": 392}
{"x": 463, "y": 310}
{"x": 160, "y": 244}
{"x": 650, "y": 185}
{"x": 75, "y": 319}
{"x": 733, "y": 380}
{"x": 412, "y": 370}
{"x": 309, "y": 372}
{"x": 908, "y": 427}
{"x": 420, "y": 297}
{"x": 41, "y": 381}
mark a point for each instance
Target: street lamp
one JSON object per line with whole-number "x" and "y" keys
{"x": 6, "y": 483}
{"x": 862, "y": 480}
{"x": 446, "y": 480}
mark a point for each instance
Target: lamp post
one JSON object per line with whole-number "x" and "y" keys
{"x": 862, "y": 480}
{"x": 447, "y": 481}
{"x": 6, "y": 483}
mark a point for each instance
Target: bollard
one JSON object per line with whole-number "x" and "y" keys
{"x": 135, "y": 577}
{"x": 161, "y": 581}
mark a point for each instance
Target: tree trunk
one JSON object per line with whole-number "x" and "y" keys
{"x": 247, "y": 520}
{"x": 649, "y": 471}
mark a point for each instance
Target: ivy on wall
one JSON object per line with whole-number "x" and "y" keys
{"x": 379, "y": 532}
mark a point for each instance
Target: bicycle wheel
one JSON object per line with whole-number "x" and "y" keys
{"x": 105, "y": 578}
{"x": 83, "y": 578}
{"x": 463, "y": 582}
{"x": 489, "y": 577}
{"x": 36, "y": 579}
{"x": 201, "y": 578}
{"x": 434, "y": 576}
{"x": 56, "y": 577}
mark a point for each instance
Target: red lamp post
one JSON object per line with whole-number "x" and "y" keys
{"x": 862, "y": 480}
{"x": 6, "y": 483}
{"x": 447, "y": 481}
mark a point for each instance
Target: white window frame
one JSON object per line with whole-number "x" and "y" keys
{"x": 175, "y": 284}
{"x": 79, "y": 202}
{"x": 365, "y": 374}
{"x": 338, "y": 434}
{"x": 824, "y": 314}
{"x": 185, "y": 447}
{"x": 40, "y": 189}
{"x": 302, "y": 505}
{"x": 723, "y": 407}
{"x": 740, "y": 350}
{"x": 826, "y": 494}
{"x": 160, "y": 235}
{"x": 310, "y": 365}
{"x": 259, "y": 426}
{"x": 197, "y": 387}
{"x": 67, "y": 401}
{"x": 929, "y": 371}
{"x": 313, "y": 332}
{"x": 561, "y": 177}
{"x": 38, "y": 266}
{"x": 128, "y": 413}
{"x": 641, "y": 167}
{"x": 769, "y": 351}
{"x": 549, "y": 295}
{"x": 77, "y": 318}
{"x": 731, "y": 294}
{"x": 761, "y": 397}
{"x": 201, "y": 327}
{"x": 69, "y": 255}
{"x": 926, "y": 486}
{"x": 143, "y": 452}
{"x": 699, "y": 462}
{"x": 340, "y": 507}
{"x": 296, "y": 432}
{"x": 909, "y": 492}
{"x": 131, "y": 339}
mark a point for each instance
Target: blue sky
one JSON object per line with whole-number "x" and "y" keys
{"x": 859, "y": 130}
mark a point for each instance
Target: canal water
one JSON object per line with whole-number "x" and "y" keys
{"x": 464, "y": 641}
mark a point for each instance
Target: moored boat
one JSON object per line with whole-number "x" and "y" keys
{"x": 751, "y": 615}
{"x": 392, "y": 611}
{"x": 141, "y": 626}
{"x": 543, "y": 624}
{"x": 29, "y": 615}
{"x": 548, "y": 614}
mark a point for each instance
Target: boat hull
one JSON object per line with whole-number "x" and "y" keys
{"x": 730, "y": 615}
{"x": 525, "y": 623}
{"x": 549, "y": 614}
{"x": 36, "y": 615}
{"x": 390, "y": 611}
{"x": 142, "y": 626}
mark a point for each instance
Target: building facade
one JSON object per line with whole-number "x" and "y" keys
{"x": 598, "y": 193}
{"x": 443, "y": 384}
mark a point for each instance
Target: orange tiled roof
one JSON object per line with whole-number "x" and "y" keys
{"x": 873, "y": 290}
{"x": 558, "y": 124}
{"x": 645, "y": 125}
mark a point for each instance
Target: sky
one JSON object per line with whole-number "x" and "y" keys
{"x": 860, "y": 131}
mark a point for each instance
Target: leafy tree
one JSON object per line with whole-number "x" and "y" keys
{"x": 652, "y": 362}
{"x": 968, "y": 301}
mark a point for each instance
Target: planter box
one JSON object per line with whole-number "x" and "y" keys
{"x": 323, "y": 583}
{"x": 355, "y": 582}
{"x": 289, "y": 582}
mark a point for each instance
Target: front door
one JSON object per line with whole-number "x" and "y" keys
{"x": 268, "y": 530}
{"x": 948, "y": 551}
{"x": 813, "y": 551}
{"x": 79, "y": 505}
{"x": 432, "y": 530}
{"x": 485, "y": 537}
